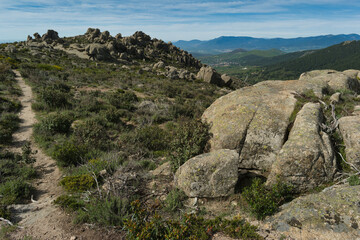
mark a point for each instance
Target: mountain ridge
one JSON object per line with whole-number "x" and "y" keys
{"x": 228, "y": 43}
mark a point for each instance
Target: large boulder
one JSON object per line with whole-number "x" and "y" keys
{"x": 209, "y": 175}
{"x": 208, "y": 74}
{"x": 307, "y": 158}
{"x": 350, "y": 131}
{"x": 335, "y": 80}
{"x": 253, "y": 121}
{"x": 97, "y": 51}
{"x": 50, "y": 35}
{"x": 333, "y": 213}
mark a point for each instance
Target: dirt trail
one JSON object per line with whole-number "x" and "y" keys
{"x": 40, "y": 219}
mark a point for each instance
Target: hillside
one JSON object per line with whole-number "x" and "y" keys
{"x": 338, "y": 57}
{"x": 227, "y": 44}
{"x": 128, "y": 137}
{"x": 239, "y": 57}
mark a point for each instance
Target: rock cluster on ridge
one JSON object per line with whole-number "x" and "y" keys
{"x": 101, "y": 46}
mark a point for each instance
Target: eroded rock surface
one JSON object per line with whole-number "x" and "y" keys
{"x": 350, "y": 131}
{"x": 209, "y": 175}
{"x": 331, "y": 214}
{"x": 307, "y": 159}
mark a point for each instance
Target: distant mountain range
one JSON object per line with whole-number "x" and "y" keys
{"x": 255, "y": 68}
{"x": 227, "y": 44}
{"x": 240, "y": 57}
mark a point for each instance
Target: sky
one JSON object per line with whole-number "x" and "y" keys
{"x": 173, "y": 20}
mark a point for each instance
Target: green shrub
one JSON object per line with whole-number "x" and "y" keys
{"x": 7, "y": 105}
{"x": 266, "y": 201}
{"x": 174, "y": 200}
{"x": 152, "y": 138}
{"x": 354, "y": 180}
{"x": 54, "y": 98}
{"x": 122, "y": 99}
{"x": 5, "y": 212}
{"x": 9, "y": 123}
{"x": 49, "y": 67}
{"x": 140, "y": 226}
{"x": 78, "y": 183}
{"x": 55, "y": 123}
{"x": 113, "y": 211}
{"x": 113, "y": 115}
{"x": 70, "y": 203}
{"x": 69, "y": 154}
{"x": 15, "y": 191}
{"x": 91, "y": 132}
{"x": 189, "y": 140}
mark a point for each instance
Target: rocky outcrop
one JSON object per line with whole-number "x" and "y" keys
{"x": 333, "y": 213}
{"x": 255, "y": 121}
{"x": 307, "y": 158}
{"x": 334, "y": 79}
{"x": 208, "y": 74}
{"x": 97, "y": 51}
{"x": 50, "y": 35}
{"x": 350, "y": 131}
{"x": 209, "y": 175}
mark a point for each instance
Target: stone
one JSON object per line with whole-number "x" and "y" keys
{"x": 50, "y": 35}
{"x": 350, "y": 130}
{"x": 37, "y": 36}
{"x": 330, "y": 214}
{"x": 97, "y": 51}
{"x": 172, "y": 72}
{"x": 334, "y": 79}
{"x": 164, "y": 170}
{"x": 29, "y": 38}
{"x": 208, "y": 74}
{"x": 212, "y": 175}
{"x": 335, "y": 98}
{"x": 159, "y": 64}
{"x": 307, "y": 158}
{"x": 252, "y": 120}
{"x": 227, "y": 80}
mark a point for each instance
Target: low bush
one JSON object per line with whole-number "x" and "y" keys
{"x": 78, "y": 183}
{"x": 54, "y": 98}
{"x": 152, "y": 137}
{"x": 140, "y": 226}
{"x": 123, "y": 99}
{"x": 190, "y": 139}
{"x": 111, "y": 211}
{"x": 265, "y": 201}
{"x": 9, "y": 123}
{"x": 91, "y": 132}
{"x": 354, "y": 180}
{"x": 174, "y": 200}
{"x": 15, "y": 191}
{"x": 70, "y": 154}
{"x": 70, "y": 203}
{"x": 55, "y": 123}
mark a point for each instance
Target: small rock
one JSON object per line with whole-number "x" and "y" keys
{"x": 335, "y": 98}
{"x": 73, "y": 238}
{"x": 103, "y": 172}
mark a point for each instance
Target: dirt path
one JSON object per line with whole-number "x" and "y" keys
{"x": 40, "y": 219}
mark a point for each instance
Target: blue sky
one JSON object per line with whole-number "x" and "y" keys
{"x": 180, "y": 19}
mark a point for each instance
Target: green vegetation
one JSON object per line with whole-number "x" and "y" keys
{"x": 15, "y": 169}
{"x": 354, "y": 180}
{"x": 265, "y": 201}
{"x": 174, "y": 200}
{"x": 240, "y": 57}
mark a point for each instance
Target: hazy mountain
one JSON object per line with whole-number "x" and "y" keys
{"x": 227, "y": 44}
{"x": 240, "y": 57}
